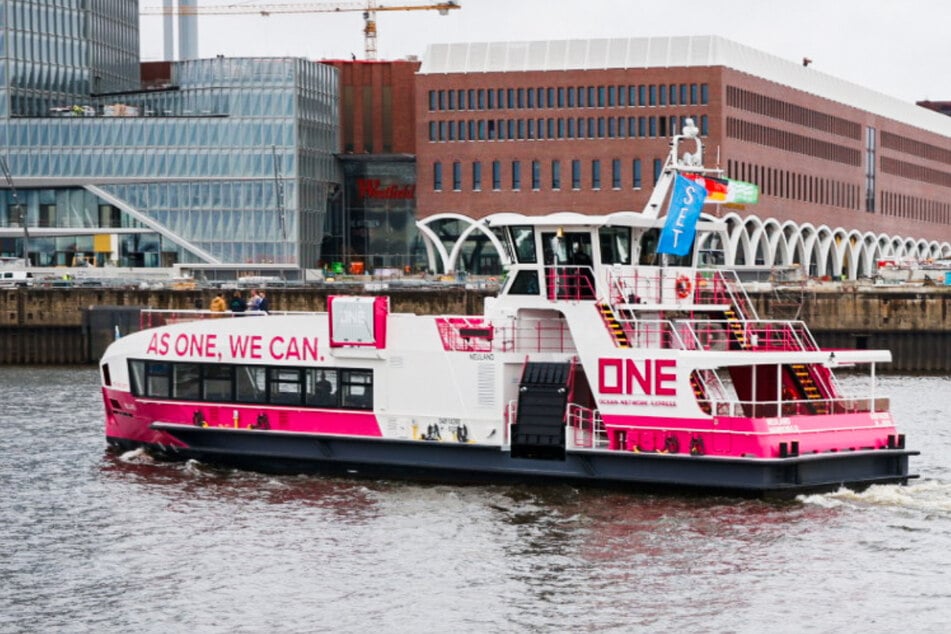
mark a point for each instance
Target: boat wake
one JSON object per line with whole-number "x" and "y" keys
{"x": 928, "y": 496}
{"x": 137, "y": 456}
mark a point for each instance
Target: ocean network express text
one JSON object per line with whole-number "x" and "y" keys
{"x": 211, "y": 346}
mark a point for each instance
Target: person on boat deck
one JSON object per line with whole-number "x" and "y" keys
{"x": 218, "y": 304}
{"x": 254, "y": 301}
{"x": 237, "y": 304}
{"x": 583, "y": 278}
{"x": 263, "y": 304}
{"x": 323, "y": 390}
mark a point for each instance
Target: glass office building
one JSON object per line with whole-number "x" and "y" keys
{"x": 231, "y": 161}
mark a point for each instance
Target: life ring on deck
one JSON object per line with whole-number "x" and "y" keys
{"x": 683, "y": 287}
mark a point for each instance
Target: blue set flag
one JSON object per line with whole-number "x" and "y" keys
{"x": 685, "y": 204}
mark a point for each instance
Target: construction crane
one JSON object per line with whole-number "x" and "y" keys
{"x": 368, "y": 7}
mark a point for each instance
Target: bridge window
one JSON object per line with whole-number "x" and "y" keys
{"x": 523, "y": 239}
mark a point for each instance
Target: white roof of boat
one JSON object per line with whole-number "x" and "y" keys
{"x": 667, "y": 52}
{"x": 575, "y": 219}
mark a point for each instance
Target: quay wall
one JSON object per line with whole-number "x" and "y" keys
{"x": 40, "y": 326}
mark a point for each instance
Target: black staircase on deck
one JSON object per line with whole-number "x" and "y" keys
{"x": 539, "y": 429}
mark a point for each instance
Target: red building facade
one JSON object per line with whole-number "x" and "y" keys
{"x": 583, "y": 126}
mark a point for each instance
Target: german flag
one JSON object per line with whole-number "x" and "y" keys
{"x": 717, "y": 188}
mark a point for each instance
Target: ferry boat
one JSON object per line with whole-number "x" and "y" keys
{"x": 600, "y": 361}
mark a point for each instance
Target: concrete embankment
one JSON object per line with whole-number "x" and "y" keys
{"x": 72, "y": 326}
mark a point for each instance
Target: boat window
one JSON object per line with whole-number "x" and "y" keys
{"x": 615, "y": 245}
{"x": 524, "y": 240}
{"x": 106, "y": 375}
{"x": 217, "y": 382}
{"x": 285, "y": 386}
{"x": 357, "y": 389}
{"x": 158, "y": 379}
{"x": 525, "y": 283}
{"x": 137, "y": 377}
{"x": 251, "y": 384}
{"x": 187, "y": 383}
{"x": 321, "y": 387}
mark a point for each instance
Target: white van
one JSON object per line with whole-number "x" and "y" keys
{"x": 15, "y": 279}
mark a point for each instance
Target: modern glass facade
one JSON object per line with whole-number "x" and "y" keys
{"x": 233, "y": 161}
{"x": 56, "y": 53}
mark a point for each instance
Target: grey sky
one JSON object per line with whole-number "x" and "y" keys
{"x": 899, "y": 48}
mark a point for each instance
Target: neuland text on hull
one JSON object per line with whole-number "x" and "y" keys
{"x": 616, "y": 353}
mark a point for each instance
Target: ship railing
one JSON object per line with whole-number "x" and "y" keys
{"x": 761, "y": 335}
{"x": 646, "y": 285}
{"x": 798, "y": 407}
{"x": 533, "y": 335}
{"x": 570, "y": 282}
{"x": 716, "y": 286}
{"x": 654, "y": 333}
{"x": 154, "y": 317}
{"x": 585, "y": 427}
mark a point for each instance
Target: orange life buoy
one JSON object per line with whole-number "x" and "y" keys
{"x": 683, "y": 287}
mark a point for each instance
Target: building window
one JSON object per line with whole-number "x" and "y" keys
{"x": 481, "y": 98}
{"x": 652, "y": 95}
{"x": 510, "y": 98}
{"x": 496, "y": 175}
{"x": 452, "y": 100}
{"x": 672, "y": 89}
{"x": 561, "y": 97}
{"x": 516, "y": 175}
{"x": 531, "y": 128}
{"x": 561, "y": 128}
{"x": 432, "y": 100}
{"x": 575, "y": 174}
{"x": 636, "y": 174}
{"x": 536, "y": 174}
{"x": 471, "y": 100}
{"x": 642, "y": 95}
{"x": 521, "y": 128}
{"x": 704, "y": 94}
{"x": 683, "y": 94}
{"x": 530, "y": 98}
{"x": 596, "y": 174}
{"x": 693, "y": 94}
{"x": 432, "y": 130}
{"x": 704, "y": 125}
{"x": 616, "y": 173}
{"x": 652, "y": 121}
{"x": 580, "y": 91}
{"x": 632, "y": 96}
{"x": 551, "y": 98}
{"x": 442, "y": 99}
{"x": 662, "y": 96}
{"x": 456, "y": 176}
{"x": 477, "y": 176}
{"x": 571, "y": 96}
{"x": 520, "y": 98}
{"x": 612, "y": 96}
{"x": 437, "y": 176}
{"x": 601, "y": 131}
{"x": 592, "y": 98}
{"x": 556, "y": 174}
{"x": 510, "y": 124}
{"x": 658, "y": 167}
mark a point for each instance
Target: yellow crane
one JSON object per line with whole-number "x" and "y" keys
{"x": 368, "y": 7}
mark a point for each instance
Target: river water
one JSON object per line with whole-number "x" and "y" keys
{"x": 94, "y": 542}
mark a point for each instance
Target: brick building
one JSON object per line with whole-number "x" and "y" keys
{"x": 581, "y": 125}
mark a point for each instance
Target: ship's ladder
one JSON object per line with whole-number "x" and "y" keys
{"x": 700, "y": 391}
{"x": 735, "y": 326}
{"x": 618, "y": 334}
{"x": 808, "y": 388}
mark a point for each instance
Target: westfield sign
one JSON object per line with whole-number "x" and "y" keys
{"x": 371, "y": 188}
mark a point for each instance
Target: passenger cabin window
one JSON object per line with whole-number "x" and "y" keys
{"x": 523, "y": 238}
{"x": 222, "y": 383}
{"x": 615, "y": 245}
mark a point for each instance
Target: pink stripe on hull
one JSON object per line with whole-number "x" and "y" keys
{"x": 132, "y": 421}
{"x": 751, "y": 437}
